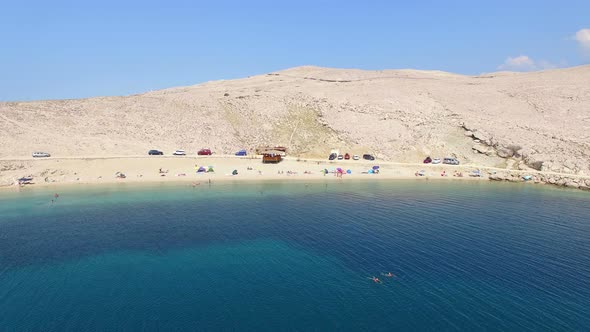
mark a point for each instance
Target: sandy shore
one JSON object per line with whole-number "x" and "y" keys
{"x": 146, "y": 169}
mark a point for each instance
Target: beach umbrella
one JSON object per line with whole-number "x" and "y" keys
{"x": 375, "y": 167}
{"x": 348, "y": 171}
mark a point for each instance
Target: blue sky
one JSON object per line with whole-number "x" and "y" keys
{"x": 73, "y": 49}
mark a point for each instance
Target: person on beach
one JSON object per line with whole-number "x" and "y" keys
{"x": 56, "y": 196}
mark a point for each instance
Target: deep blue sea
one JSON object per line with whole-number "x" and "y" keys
{"x": 296, "y": 256}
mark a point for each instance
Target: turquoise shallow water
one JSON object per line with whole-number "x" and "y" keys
{"x": 294, "y": 256}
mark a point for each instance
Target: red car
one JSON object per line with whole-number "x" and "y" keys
{"x": 347, "y": 156}
{"x": 204, "y": 152}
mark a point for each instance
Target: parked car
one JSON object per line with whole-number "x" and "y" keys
{"x": 346, "y": 156}
{"x": 356, "y": 157}
{"x": 241, "y": 153}
{"x": 451, "y": 161}
{"x": 332, "y": 156}
{"x": 340, "y": 157}
{"x": 204, "y": 152}
{"x": 41, "y": 155}
{"x": 179, "y": 153}
{"x": 436, "y": 161}
{"x": 428, "y": 160}
{"x": 155, "y": 153}
{"x": 368, "y": 157}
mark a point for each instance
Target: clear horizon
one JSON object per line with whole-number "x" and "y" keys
{"x": 66, "y": 49}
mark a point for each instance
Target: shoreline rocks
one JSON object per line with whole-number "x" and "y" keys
{"x": 555, "y": 180}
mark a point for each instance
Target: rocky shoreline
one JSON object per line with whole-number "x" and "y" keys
{"x": 555, "y": 180}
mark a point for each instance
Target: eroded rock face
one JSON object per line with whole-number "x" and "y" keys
{"x": 480, "y": 148}
{"x": 505, "y": 153}
{"x": 483, "y": 137}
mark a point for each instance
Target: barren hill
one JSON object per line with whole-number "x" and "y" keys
{"x": 513, "y": 120}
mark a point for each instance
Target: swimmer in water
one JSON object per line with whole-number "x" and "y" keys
{"x": 388, "y": 274}
{"x": 375, "y": 280}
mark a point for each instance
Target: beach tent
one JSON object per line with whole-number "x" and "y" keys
{"x": 210, "y": 169}
{"x": 201, "y": 170}
{"x": 235, "y": 172}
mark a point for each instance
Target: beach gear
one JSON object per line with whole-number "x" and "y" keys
{"x": 235, "y": 172}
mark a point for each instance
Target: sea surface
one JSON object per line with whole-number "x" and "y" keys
{"x": 296, "y": 256}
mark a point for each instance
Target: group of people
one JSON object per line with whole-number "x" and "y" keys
{"x": 291, "y": 172}
{"x": 378, "y": 281}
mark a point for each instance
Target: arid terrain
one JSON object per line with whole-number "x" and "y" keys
{"x": 538, "y": 120}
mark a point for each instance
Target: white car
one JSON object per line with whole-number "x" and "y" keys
{"x": 356, "y": 157}
{"x": 436, "y": 161}
{"x": 179, "y": 153}
{"x": 41, "y": 155}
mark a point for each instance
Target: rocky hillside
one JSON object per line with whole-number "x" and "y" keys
{"x": 513, "y": 120}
